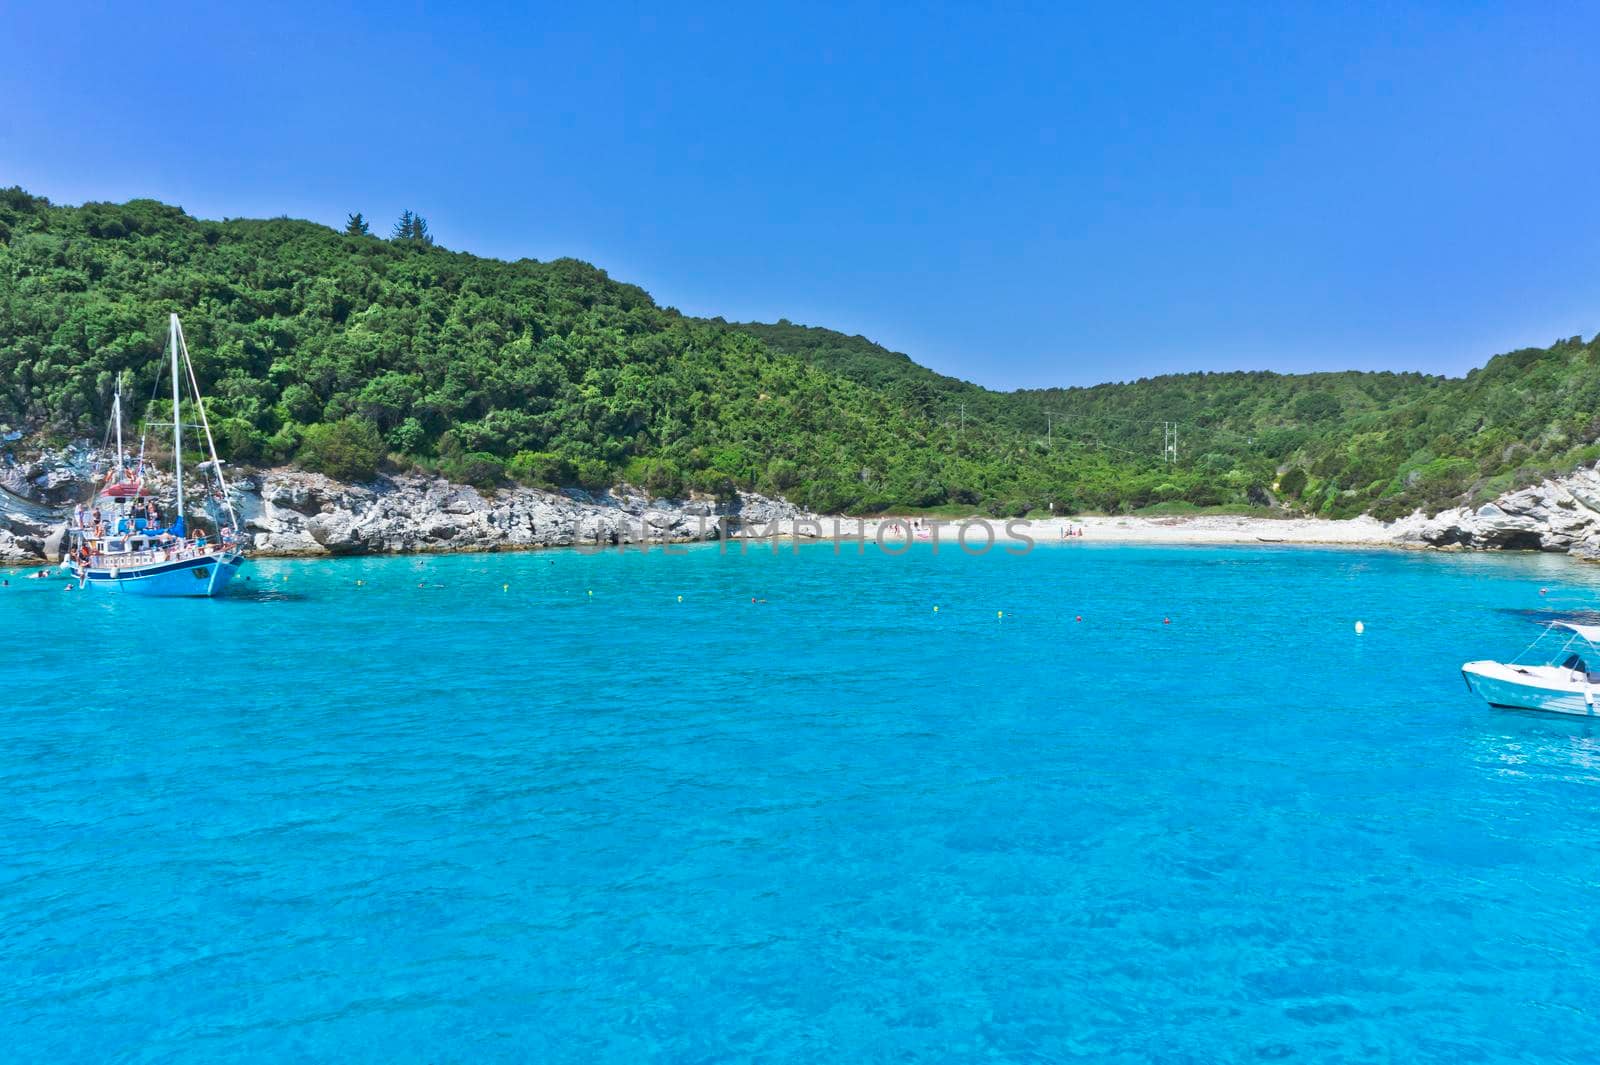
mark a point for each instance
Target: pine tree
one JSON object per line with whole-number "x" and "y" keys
{"x": 412, "y": 229}
{"x": 356, "y": 226}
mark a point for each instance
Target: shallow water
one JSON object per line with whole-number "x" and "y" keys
{"x": 325, "y": 820}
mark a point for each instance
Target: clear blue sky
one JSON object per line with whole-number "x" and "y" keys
{"x": 1020, "y": 195}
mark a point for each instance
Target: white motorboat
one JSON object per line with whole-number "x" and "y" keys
{"x": 1565, "y": 684}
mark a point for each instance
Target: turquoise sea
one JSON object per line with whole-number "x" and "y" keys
{"x": 460, "y": 809}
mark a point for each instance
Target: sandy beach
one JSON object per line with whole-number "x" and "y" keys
{"x": 1228, "y": 528}
{"x": 1197, "y": 529}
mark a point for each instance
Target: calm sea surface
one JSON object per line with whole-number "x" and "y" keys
{"x": 376, "y": 822}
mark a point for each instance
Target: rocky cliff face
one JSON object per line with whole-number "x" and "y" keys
{"x": 1555, "y": 515}
{"x": 34, "y": 499}
{"x": 291, "y": 512}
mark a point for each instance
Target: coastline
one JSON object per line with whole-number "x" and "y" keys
{"x": 891, "y": 531}
{"x": 1119, "y": 529}
{"x": 290, "y": 513}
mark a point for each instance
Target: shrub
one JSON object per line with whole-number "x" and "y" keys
{"x": 713, "y": 482}
{"x": 541, "y": 469}
{"x": 781, "y": 475}
{"x": 591, "y": 473}
{"x": 348, "y": 449}
{"x": 238, "y": 440}
{"x": 408, "y": 437}
{"x": 1316, "y": 407}
{"x": 477, "y": 468}
{"x": 661, "y": 476}
{"x": 300, "y": 404}
{"x": 1293, "y": 482}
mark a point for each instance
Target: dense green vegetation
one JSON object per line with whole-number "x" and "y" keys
{"x": 1334, "y": 444}
{"x": 343, "y": 352}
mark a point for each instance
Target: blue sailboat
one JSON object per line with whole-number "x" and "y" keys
{"x": 119, "y": 541}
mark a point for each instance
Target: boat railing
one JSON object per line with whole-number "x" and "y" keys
{"x": 132, "y": 559}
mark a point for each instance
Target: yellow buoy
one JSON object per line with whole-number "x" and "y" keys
{"x": 999, "y": 613}
{"x": 680, "y": 598}
{"x": 505, "y": 587}
{"x": 936, "y": 608}
{"x": 591, "y": 591}
{"x": 1360, "y": 628}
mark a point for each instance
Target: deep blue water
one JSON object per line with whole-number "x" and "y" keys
{"x": 324, "y": 820}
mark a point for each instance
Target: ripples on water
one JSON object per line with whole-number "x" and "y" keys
{"x": 461, "y": 822}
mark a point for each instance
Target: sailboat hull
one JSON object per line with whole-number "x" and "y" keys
{"x": 203, "y": 577}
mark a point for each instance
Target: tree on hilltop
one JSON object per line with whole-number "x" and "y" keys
{"x": 356, "y": 226}
{"x": 412, "y": 229}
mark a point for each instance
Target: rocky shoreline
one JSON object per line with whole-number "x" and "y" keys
{"x": 292, "y": 513}
{"x": 289, "y": 512}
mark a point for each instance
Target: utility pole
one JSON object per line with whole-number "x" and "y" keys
{"x": 1169, "y": 442}
{"x": 963, "y": 419}
{"x": 1049, "y": 427}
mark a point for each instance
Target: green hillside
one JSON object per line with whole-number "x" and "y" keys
{"x": 1346, "y": 442}
{"x": 346, "y": 352}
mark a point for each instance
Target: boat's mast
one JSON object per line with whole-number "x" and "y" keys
{"x": 116, "y": 407}
{"x": 205, "y": 424}
{"x": 177, "y": 424}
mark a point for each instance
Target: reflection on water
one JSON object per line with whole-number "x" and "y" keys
{"x": 1547, "y": 617}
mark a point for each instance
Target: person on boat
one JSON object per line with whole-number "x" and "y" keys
{"x": 200, "y": 540}
{"x": 79, "y": 516}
